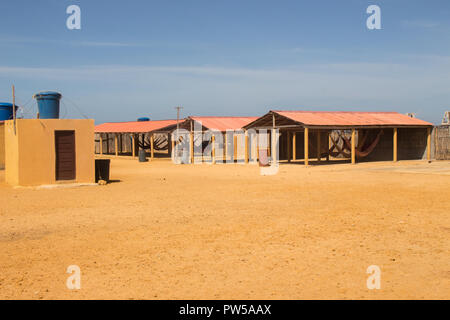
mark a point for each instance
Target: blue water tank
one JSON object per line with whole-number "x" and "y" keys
{"x": 48, "y": 104}
{"x": 143, "y": 119}
{"x": 6, "y": 111}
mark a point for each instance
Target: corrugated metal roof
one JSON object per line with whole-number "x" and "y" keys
{"x": 351, "y": 118}
{"x": 134, "y": 126}
{"x": 224, "y": 123}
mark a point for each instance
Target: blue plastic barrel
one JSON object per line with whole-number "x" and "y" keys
{"x": 143, "y": 119}
{"x": 6, "y": 111}
{"x": 48, "y": 104}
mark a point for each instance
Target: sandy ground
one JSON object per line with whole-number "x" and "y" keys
{"x": 225, "y": 232}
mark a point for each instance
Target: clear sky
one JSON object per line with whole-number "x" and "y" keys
{"x": 142, "y": 58}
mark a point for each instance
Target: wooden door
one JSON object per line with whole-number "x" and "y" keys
{"x": 65, "y": 155}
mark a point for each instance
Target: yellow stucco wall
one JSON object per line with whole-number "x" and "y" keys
{"x": 2, "y": 146}
{"x": 30, "y": 153}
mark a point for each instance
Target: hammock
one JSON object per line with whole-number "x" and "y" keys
{"x": 360, "y": 153}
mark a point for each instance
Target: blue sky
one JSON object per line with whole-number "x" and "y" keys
{"x": 143, "y": 58}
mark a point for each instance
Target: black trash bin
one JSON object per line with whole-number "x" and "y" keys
{"x": 102, "y": 169}
{"x": 142, "y": 156}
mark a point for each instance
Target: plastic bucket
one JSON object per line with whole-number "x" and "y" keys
{"x": 48, "y": 104}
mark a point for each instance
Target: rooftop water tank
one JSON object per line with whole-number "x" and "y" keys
{"x": 6, "y": 111}
{"x": 48, "y": 104}
{"x": 143, "y": 119}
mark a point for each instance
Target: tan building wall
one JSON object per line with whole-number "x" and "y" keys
{"x": 31, "y": 156}
{"x": 2, "y": 145}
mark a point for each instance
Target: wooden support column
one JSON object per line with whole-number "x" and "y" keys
{"x": 257, "y": 146}
{"x": 101, "y": 143}
{"x": 246, "y": 156}
{"x": 152, "y": 143}
{"x": 294, "y": 146}
{"x": 306, "y": 146}
{"x": 116, "y": 145}
{"x": 429, "y": 144}
{"x": 191, "y": 136}
{"x": 213, "y": 149}
{"x": 318, "y": 146}
{"x": 353, "y": 146}
{"x": 395, "y": 145}
{"x": 225, "y": 147}
{"x": 235, "y": 148}
{"x": 133, "y": 145}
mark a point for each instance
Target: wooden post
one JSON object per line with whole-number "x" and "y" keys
{"x": 213, "y": 149}
{"x": 116, "y": 145}
{"x": 294, "y": 146}
{"x": 225, "y": 147}
{"x": 133, "y": 140}
{"x": 318, "y": 146}
{"x": 235, "y": 148}
{"x": 101, "y": 144}
{"x": 429, "y": 144}
{"x": 191, "y": 135}
{"x": 306, "y": 146}
{"x": 257, "y": 146}
{"x": 353, "y": 146}
{"x": 395, "y": 144}
{"x": 152, "y": 150}
{"x": 14, "y": 107}
{"x": 246, "y": 147}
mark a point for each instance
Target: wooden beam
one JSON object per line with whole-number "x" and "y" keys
{"x": 257, "y": 146}
{"x": 395, "y": 145}
{"x": 235, "y": 148}
{"x": 318, "y": 146}
{"x": 246, "y": 156}
{"x": 353, "y": 146}
{"x": 191, "y": 136}
{"x": 225, "y": 147}
{"x": 116, "y": 149}
{"x": 101, "y": 143}
{"x": 152, "y": 150}
{"x": 133, "y": 140}
{"x": 429, "y": 144}
{"x": 213, "y": 149}
{"x": 294, "y": 146}
{"x": 306, "y": 146}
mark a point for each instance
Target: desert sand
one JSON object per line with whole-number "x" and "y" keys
{"x": 166, "y": 231}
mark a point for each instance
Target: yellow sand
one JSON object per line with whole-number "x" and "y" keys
{"x": 225, "y": 232}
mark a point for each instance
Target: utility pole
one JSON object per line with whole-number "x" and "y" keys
{"x": 178, "y": 116}
{"x": 14, "y": 107}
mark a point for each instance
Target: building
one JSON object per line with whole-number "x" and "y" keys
{"x": 126, "y": 138}
{"x": 49, "y": 151}
{"x": 362, "y": 136}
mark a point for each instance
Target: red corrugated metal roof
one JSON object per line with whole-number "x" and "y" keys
{"x": 224, "y": 123}
{"x": 134, "y": 126}
{"x": 350, "y": 118}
